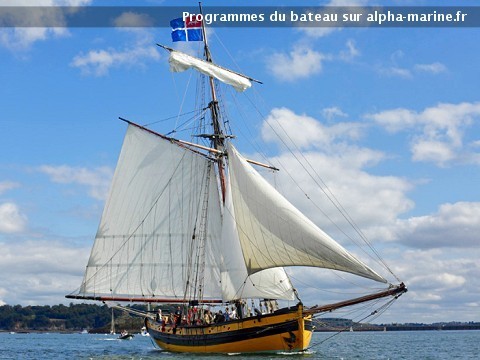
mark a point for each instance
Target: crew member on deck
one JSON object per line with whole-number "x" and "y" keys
{"x": 178, "y": 316}
{"x": 158, "y": 316}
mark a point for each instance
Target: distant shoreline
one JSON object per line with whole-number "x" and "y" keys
{"x": 390, "y": 328}
{"x": 322, "y": 329}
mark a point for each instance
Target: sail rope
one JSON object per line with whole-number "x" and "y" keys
{"x": 184, "y": 97}
{"x": 337, "y": 274}
{"x": 190, "y": 121}
{"x": 200, "y": 103}
{"x": 199, "y": 110}
{"x": 196, "y": 259}
{"x": 175, "y": 117}
{"x": 373, "y": 315}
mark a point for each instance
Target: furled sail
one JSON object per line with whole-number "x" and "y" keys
{"x": 180, "y": 61}
{"x": 163, "y": 199}
{"x": 274, "y": 233}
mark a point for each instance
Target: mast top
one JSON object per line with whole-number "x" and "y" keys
{"x": 208, "y": 55}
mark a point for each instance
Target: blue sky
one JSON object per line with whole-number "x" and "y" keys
{"x": 389, "y": 117}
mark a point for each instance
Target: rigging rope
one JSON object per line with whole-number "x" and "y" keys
{"x": 374, "y": 314}
{"x": 172, "y": 117}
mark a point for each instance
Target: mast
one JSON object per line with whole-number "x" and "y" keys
{"x": 112, "y": 324}
{"x": 218, "y": 137}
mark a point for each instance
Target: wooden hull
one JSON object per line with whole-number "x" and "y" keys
{"x": 285, "y": 330}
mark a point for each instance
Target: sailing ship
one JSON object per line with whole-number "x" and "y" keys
{"x": 197, "y": 227}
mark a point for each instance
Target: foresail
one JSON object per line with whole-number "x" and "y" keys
{"x": 160, "y": 194}
{"x": 274, "y": 233}
{"x": 180, "y": 62}
{"x": 236, "y": 282}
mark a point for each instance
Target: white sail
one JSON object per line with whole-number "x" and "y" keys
{"x": 274, "y": 233}
{"x": 236, "y": 282}
{"x": 180, "y": 62}
{"x": 159, "y": 196}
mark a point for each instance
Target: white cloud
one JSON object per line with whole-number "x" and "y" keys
{"x": 39, "y": 272}
{"x": 303, "y": 61}
{"x": 97, "y": 180}
{"x": 424, "y": 251}
{"x": 8, "y": 185}
{"x": 333, "y": 112}
{"x": 439, "y": 131}
{"x": 395, "y": 120}
{"x": 395, "y": 71}
{"x": 432, "y": 151}
{"x": 434, "y": 68}
{"x": 351, "y": 52}
{"x": 319, "y": 31}
{"x": 22, "y": 38}
{"x": 330, "y": 154}
{"x": 284, "y": 125}
{"x": 443, "y": 283}
{"x": 370, "y": 200}
{"x": 131, "y": 19}
{"x": 99, "y": 62}
{"x": 11, "y": 218}
{"x": 299, "y": 63}
{"x": 455, "y": 225}
{"x": 94, "y": 62}
{"x": 44, "y": 2}
{"x": 407, "y": 73}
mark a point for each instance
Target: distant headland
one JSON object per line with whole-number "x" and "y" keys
{"x": 340, "y": 324}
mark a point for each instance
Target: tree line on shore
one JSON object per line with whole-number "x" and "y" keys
{"x": 73, "y": 317}
{"x": 97, "y": 318}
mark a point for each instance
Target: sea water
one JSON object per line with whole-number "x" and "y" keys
{"x": 350, "y": 345}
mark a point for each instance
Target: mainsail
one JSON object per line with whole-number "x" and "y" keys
{"x": 159, "y": 193}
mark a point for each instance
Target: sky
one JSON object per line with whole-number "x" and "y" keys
{"x": 388, "y": 117}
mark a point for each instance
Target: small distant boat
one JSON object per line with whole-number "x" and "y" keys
{"x": 144, "y": 331}
{"x": 125, "y": 335}
{"x": 84, "y": 331}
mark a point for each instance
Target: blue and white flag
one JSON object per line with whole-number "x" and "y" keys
{"x": 188, "y": 30}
